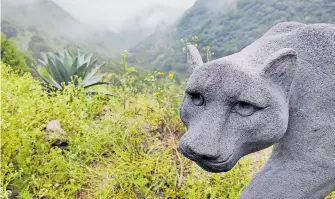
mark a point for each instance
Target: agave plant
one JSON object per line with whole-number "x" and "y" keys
{"x": 61, "y": 68}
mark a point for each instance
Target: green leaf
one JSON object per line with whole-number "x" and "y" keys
{"x": 88, "y": 58}
{"x": 95, "y": 84}
{"x": 74, "y": 67}
{"x": 45, "y": 75}
{"x": 93, "y": 81}
{"x": 81, "y": 71}
{"x": 61, "y": 68}
{"x": 45, "y": 59}
{"x": 93, "y": 71}
{"x": 52, "y": 68}
{"x": 67, "y": 61}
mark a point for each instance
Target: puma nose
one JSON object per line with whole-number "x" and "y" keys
{"x": 198, "y": 152}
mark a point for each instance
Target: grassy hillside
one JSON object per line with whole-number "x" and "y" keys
{"x": 117, "y": 147}
{"x": 227, "y": 26}
{"x": 121, "y": 147}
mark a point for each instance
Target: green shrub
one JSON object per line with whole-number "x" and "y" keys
{"x": 11, "y": 56}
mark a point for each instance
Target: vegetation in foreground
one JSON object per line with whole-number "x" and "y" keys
{"x": 114, "y": 147}
{"x": 118, "y": 147}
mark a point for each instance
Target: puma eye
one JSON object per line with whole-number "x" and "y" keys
{"x": 244, "y": 108}
{"x": 197, "y": 99}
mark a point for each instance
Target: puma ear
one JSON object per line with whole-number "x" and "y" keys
{"x": 193, "y": 58}
{"x": 280, "y": 66}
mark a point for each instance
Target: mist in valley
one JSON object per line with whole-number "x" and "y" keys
{"x": 151, "y": 30}
{"x": 106, "y": 26}
{"x": 112, "y": 14}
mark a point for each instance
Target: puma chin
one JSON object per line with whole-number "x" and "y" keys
{"x": 216, "y": 165}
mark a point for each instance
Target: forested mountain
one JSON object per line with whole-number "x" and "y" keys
{"x": 153, "y": 35}
{"x": 41, "y": 25}
{"x": 227, "y": 26}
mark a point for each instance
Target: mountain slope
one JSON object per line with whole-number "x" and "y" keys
{"x": 44, "y": 15}
{"x": 45, "y": 19}
{"x": 154, "y": 18}
{"x": 227, "y": 26}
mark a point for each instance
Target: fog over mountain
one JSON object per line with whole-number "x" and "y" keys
{"x": 133, "y": 20}
{"x": 106, "y": 27}
{"x": 152, "y": 19}
{"x": 151, "y": 30}
{"x": 112, "y": 14}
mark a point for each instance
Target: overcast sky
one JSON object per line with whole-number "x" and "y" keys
{"x": 111, "y": 13}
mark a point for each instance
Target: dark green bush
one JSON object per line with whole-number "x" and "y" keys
{"x": 11, "y": 55}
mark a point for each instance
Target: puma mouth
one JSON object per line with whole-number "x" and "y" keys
{"x": 217, "y": 161}
{"x": 216, "y": 166}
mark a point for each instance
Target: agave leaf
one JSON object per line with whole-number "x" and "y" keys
{"x": 91, "y": 64}
{"x": 53, "y": 81}
{"x": 93, "y": 71}
{"x": 70, "y": 53}
{"x": 52, "y": 65}
{"x": 83, "y": 66}
{"x": 62, "y": 70}
{"x": 83, "y": 72}
{"x": 95, "y": 84}
{"x": 56, "y": 69}
{"x": 81, "y": 58}
{"x": 52, "y": 68}
{"x": 88, "y": 58}
{"x": 44, "y": 60}
{"x": 60, "y": 54}
{"x": 93, "y": 81}
{"x": 39, "y": 72}
{"x": 74, "y": 67}
{"x": 46, "y": 76}
{"x": 68, "y": 61}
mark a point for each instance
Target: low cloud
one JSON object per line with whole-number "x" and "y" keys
{"x": 111, "y": 14}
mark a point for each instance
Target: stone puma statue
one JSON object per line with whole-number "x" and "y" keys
{"x": 279, "y": 90}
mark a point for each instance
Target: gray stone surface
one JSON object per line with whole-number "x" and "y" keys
{"x": 279, "y": 90}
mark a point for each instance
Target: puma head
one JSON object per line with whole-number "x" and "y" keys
{"x": 231, "y": 111}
